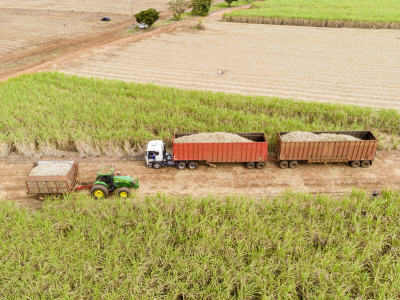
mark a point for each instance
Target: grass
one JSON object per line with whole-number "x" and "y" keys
{"x": 223, "y": 4}
{"x": 295, "y": 246}
{"x": 46, "y": 111}
{"x": 350, "y": 11}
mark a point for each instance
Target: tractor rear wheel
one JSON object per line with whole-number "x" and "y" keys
{"x": 99, "y": 191}
{"x": 123, "y": 192}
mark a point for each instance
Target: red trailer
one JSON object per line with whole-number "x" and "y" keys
{"x": 254, "y": 154}
{"x": 357, "y": 153}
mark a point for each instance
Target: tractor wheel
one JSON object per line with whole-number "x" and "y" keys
{"x": 283, "y": 164}
{"x": 99, "y": 191}
{"x": 156, "y": 166}
{"x": 260, "y": 165}
{"x": 181, "y": 165}
{"x": 293, "y": 164}
{"x": 365, "y": 164}
{"x": 355, "y": 163}
{"x": 40, "y": 197}
{"x": 123, "y": 192}
{"x": 250, "y": 165}
{"x": 192, "y": 165}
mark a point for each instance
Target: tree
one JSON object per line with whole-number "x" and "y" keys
{"x": 230, "y": 1}
{"x": 178, "y": 7}
{"x": 148, "y": 17}
{"x": 201, "y": 7}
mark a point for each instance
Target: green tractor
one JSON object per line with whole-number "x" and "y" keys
{"x": 106, "y": 182}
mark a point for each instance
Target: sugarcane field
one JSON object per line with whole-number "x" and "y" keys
{"x": 200, "y": 149}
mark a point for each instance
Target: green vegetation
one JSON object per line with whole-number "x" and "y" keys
{"x": 292, "y": 247}
{"x": 200, "y": 7}
{"x": 54, "y": 110}
{"x": 224, "y": 4}
{"x": 148, "y": 17}
{"x": 365, "y": 11}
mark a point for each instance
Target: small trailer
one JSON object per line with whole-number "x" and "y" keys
{"x": 254, "y": 153}
{"x": 357, "y": 153}
{"x": 52, "y": 185}
{"x": 64, "y": 179}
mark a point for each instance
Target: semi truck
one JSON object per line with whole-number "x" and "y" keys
{"x": 255, "y": 154}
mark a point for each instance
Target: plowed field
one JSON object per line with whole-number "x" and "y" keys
{"x": 109, "y": 6}
{"x": 318, "y": 64}
{"x": 23, "y": 29}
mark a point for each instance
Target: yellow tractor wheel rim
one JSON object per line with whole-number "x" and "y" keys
{"x": 99, "y": 193}
{"x": 123, "y": 194}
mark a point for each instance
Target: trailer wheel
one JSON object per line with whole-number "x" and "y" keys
{"x": 99, "y": 191}
{"x": 40, "y": 197}
{"x": 355, "y": 163}
{"x": 260, "y": 165}
{"x": 293, "y": 164}
{"x": 365, "y": 164}
{"x": 123, "y": 192}
{"x": 156, "y": 166}
{"x": 283, "y": 164}
{"x": 250, "y": 165}
{"x": 181, "y": 165}
{"x": 192, "y": 165}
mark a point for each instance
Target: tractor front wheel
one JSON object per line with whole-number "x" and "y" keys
{"x": 99, "y": 191}
{"x": 123, "y": 192}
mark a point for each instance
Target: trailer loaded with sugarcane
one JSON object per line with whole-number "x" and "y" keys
{"x": 55, "y": 178}
{"x": 356, "y": 148}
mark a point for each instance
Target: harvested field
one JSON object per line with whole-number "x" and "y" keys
{"x": 24, "y": 29}
{"x": 105, "y": 6}
{"x": 212, "y": 137}
{"x": 316, "y": 64}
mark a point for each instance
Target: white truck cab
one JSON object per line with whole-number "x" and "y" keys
{"x": 156, "y": 155}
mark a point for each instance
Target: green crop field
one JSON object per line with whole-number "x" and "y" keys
{"x": 47, "y": 111}
{"x": 348, "y": 13}
{"x": 295, "y": 246}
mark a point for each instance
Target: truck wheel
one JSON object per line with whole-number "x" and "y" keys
{"x": 283, "y": 164}
{"x": 192, "y": 165}
{"x": 355, "y": 163}
{"x": 260, "y": 165}
{"x": 365, "y": 164}
{"x": 123, "y": 192}
{"x": 250, "y": 165}
{"x": 181, "y": 165}
{"x": 40, "y": 197}
{"x": 293, "y": 164}
{"x": 99, "y": 191}
{"x": 156, "y": 166}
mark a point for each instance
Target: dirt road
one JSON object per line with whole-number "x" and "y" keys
{"x": 226, "y": 179}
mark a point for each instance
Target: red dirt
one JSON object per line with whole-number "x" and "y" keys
{"x": 226, "y": 179}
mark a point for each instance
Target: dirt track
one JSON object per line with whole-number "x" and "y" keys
{"x": 352, "y": 66}
{"x": 226, "y": 179}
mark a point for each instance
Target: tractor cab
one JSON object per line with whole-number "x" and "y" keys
{"x": 106, "y": 182}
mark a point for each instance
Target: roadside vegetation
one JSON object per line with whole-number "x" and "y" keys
{"x": 295, "y": 246}
{"x": 322, "y": 13}
{"x": 43, "y": 112}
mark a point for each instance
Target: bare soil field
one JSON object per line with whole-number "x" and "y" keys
{"x": 226, "y": 179}
{"x": 24, "y": 29}
{"x": 102, "y": 6}
{"x": 351, "y": 66}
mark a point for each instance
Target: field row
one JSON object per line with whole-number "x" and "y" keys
{"x": 325, "y": 65}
